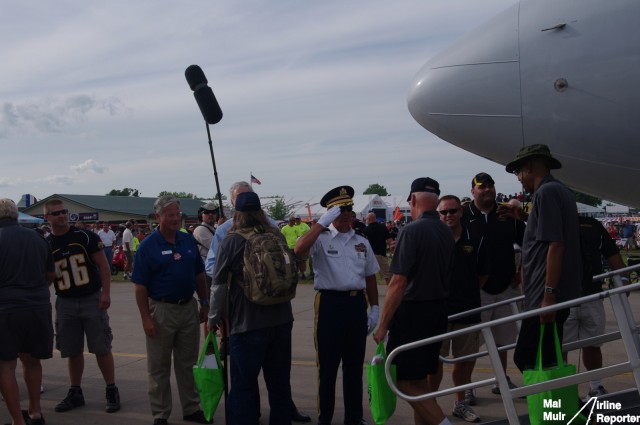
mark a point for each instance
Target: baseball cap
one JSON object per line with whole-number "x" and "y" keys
{"x": 424, "y": 184}
{"x": 482, "y": 178}
{"x": 247, "y": 201}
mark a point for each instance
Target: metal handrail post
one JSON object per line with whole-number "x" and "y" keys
{"x": 617, "y": 283}
{"x": 501, "y": 376}
{"x": 628, "y": 335}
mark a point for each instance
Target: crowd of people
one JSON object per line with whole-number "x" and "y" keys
{"x": 452, "y": 257}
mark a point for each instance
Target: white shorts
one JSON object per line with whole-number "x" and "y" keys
{"x": 507, "y": 333}
{"x": 585, "y": 321}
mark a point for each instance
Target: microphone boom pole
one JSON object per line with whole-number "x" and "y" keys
{"x": 215, "y": 171}
{"x": 212, "y": 114}
{"x": 210, "y": 110}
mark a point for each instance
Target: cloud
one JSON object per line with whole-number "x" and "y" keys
{"x": 55, "y": 114}
{"x": 59, "y": 179}
{"x": 313, "y": 95}
{"x": 89, "y": 165}
{"x": 7, "y": 182}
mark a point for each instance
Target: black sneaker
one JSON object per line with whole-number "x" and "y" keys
{"x": 198, "y": 417}
{"x": 73, "y": 399}
{"x": 113, "y": 400}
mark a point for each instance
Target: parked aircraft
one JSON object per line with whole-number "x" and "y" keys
{"x": 561, "y": 72}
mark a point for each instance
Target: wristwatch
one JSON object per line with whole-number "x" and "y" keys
{"x": 551, "y": 291}
{"x": 203, "y": 302}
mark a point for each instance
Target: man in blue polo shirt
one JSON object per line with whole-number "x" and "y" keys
{"x": 168, "y": 269}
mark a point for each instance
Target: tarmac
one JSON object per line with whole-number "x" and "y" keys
{"x": 131, "y": 373}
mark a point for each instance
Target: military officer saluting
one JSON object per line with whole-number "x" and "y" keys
{"x": 345, "y": 268}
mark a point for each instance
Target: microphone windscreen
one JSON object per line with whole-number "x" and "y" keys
{"x": 208, "y": 105}
{"x": 195, "y": 76}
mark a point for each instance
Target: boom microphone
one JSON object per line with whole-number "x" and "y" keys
{"x": 205, "y": 98}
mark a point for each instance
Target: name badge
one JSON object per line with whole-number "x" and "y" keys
{"x": 167, "y": 252}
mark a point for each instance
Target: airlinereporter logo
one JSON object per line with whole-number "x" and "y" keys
{"x": 552, "y": 411}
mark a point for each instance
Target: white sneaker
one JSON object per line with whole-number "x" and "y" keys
{"x": 461, "y": 410}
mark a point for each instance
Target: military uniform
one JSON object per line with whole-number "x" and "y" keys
{"x": 342, "y": 262}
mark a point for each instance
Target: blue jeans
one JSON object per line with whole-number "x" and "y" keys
{"x": 268, "y": 349}
{"x": 108, "y": 251}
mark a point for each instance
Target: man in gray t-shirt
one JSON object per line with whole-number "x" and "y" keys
{"x": 551, "y": 263}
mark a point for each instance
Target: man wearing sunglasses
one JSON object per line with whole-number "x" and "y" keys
{"x": 498, "y": 234}
{"x": 208, "y": 216}
{"x": 83, "y": 285}
{"x": 464, "y": 295}
{"x": 345, "y": 267}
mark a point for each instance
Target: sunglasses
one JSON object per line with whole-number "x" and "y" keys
{"x": 59, "y": 212}
{"x": 208, "y": 212}
{"x": 346, "y": 208}
{"x": 449, "y": 211}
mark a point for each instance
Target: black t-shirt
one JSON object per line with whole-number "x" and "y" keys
{"x": 377, "y": 235}
{"x": 595, "y": 243}
{"x": 424, "y": 254}
{"x": 464, "y": 289}
{"x": 497, "y": 237}
{"x": 76, "y": 273}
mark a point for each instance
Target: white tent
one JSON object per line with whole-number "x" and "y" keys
{"x": 588, "y": 209}
{"x": 27, "y": 219}
{"x": 400, "y": 202}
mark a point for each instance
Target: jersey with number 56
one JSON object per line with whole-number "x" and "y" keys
{"x": 76, "y": 273}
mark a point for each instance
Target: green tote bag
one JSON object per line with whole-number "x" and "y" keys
{"x": 557, "y": 406}
{"x": 381, "y": 399}
{"x": 209, "y": 381}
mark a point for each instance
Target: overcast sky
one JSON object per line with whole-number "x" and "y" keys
{"x": 93, "y": 95}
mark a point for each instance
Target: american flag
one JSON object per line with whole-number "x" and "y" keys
{"x": 255, "y": 180}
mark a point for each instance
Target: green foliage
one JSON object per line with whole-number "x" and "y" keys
{"x": 376, "y": 189}
{"x": 587, "y": 199}
{"x": 181, "y": 195}
{"x": 279, "y": 210}
{"x": 124, "y": 192}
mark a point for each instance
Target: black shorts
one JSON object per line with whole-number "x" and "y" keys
{"x": 26, "y": 331}
{"x": 414, "y": 321}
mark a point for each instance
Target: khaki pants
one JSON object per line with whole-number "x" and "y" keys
{"x": 179, "y": 336}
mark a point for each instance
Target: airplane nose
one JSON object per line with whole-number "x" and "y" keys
{"x": 470, "y": 94}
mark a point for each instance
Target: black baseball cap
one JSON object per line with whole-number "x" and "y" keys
{"x": 424, "y": 184}
{"x": 247, "y": 201}
{"x": 482, "y": 178}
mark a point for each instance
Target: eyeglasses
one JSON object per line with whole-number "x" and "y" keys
{"x": 346, "y": 208}
{"x": 449, "y": 211}
{"x": 208, "y": 212}
{"x": 59, "y": 212}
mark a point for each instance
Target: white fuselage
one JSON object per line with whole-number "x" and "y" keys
{"x": 565, "y": 73}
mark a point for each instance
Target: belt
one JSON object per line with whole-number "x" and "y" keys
{"x": 341, "y": 293}
{"x": 173, "y": 300}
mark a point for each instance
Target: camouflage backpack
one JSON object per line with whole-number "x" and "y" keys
{"x": 270, "y": 270}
